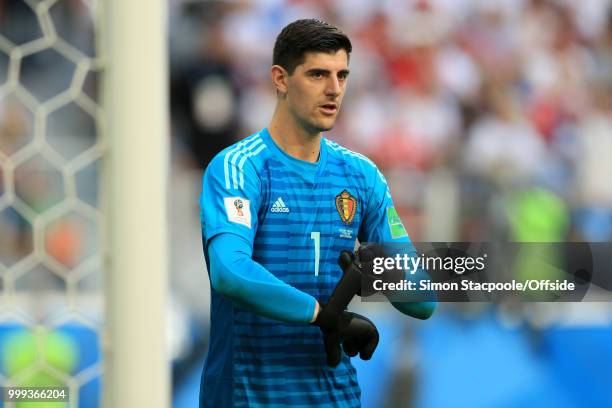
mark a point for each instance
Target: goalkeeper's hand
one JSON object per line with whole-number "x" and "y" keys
{"x": 355, "y": 333}
{"x": 362, "y": 264}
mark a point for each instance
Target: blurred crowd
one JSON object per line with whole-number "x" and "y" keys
{"x": 461, "y": 103}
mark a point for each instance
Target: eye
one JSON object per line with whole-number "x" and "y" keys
{"x": 317, "y": 75}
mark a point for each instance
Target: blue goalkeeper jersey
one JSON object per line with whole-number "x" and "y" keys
{"x": 298, "y": 217}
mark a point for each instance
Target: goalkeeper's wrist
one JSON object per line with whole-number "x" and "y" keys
{"x": 317, "y": 309}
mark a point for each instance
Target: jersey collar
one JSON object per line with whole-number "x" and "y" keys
{"x": 307, "y": 170}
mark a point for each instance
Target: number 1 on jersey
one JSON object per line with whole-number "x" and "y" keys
{"x": 316, "y": 236}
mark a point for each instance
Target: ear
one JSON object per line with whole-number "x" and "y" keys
{"x": 279, "y": 78}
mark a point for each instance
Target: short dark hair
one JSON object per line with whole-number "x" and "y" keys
{"x": 307, "y": 35}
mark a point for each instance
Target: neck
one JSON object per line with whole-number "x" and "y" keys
{"x": 293, "y": 139}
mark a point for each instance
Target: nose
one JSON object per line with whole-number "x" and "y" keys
{"x": 333, "y": 86}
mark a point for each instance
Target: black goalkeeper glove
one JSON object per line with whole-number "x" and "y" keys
{"x": 356, "y": 333}
{"x": 362, "y": 264}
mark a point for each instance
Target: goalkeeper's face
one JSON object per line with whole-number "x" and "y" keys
{"x": 316, "y": 88}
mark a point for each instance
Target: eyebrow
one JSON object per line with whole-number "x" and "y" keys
{"x": 327, "y": 71}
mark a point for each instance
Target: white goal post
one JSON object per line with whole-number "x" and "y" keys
{"x": 134, "y": 42}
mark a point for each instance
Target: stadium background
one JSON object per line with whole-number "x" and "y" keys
{"x": 491, "y": 120}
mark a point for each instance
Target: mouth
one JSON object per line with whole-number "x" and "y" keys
{"x": 329, "y": 108}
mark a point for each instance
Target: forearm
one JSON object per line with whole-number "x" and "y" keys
{"x": 237, "y": 276}
{"x": 422, "y": 309}
{"x": 412, "y": 302}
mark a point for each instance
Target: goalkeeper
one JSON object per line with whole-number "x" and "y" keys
{"x": 277, "y": 210}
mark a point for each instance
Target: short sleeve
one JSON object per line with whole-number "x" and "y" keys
{"x": 230, "y": 199}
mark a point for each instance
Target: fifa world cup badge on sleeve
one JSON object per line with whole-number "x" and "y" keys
{"x": 238, "y": 210}
{"x": 395, "y": 224}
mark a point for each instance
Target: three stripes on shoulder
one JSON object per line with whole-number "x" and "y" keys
{"x": 234, "y": 160}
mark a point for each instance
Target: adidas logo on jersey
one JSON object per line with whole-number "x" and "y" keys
{"x": 279, "y": 206}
